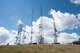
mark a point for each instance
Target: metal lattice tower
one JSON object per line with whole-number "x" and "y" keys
{"x": 55, "y": 33}
{"x": 40, "y": 26}
{"x": 31, "y": 26}
{"x": 23, "y": 37}
{"x": 40, "y": 33}
{"x": 18, "y": 37}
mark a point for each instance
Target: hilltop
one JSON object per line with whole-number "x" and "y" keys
{"x": 41, "y": 48}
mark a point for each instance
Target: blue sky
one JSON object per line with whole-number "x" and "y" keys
{"x": 11, "y": 10}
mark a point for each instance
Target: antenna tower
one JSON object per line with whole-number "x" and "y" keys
{"x": 40, "y": 26}
{"x": 31, "y": 27}
{"x": 18, "y": 37}
{"x": 55, "y": 33}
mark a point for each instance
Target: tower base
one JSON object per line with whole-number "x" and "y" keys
{"x": 55, "y": 43}
{"x": 32, "y": 43}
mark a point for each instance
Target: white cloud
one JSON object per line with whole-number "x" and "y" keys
{"x": 62, "y": 20}
{"x": 19, "y": 21}
{"x": 78, "y": 17}
{"x": 6, "y": 36}
{"x": 47, "y": 24}
{"x": 75, "y": 1}
{"x": 67, "y": 38}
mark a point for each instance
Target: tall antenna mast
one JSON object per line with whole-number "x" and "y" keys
{"x": 55, "y": 33}
{"x": 40, "y": 26}
{"x": 31, "y": 27}
{"x": 41, "y": 8}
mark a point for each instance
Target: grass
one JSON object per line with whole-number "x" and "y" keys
{"x": 40, "y": 48}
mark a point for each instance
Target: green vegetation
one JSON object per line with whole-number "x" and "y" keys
{"x": 41, "y": 48}
{"x": 77, "y": 42}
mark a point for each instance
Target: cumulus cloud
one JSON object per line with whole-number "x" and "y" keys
{"x": 6, "y": 36}
{"x": 78, "y": 16}
{"x": 67, "y": 38}
{"x": 62, "y": 20}
{"x": 47, "y": 24}
{"x": 75, "y": 1}
{"x": 19, "y": 21}
{"x": 9, "y": 37}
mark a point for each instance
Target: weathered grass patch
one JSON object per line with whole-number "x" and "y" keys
{"x": 41, "y": 48}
